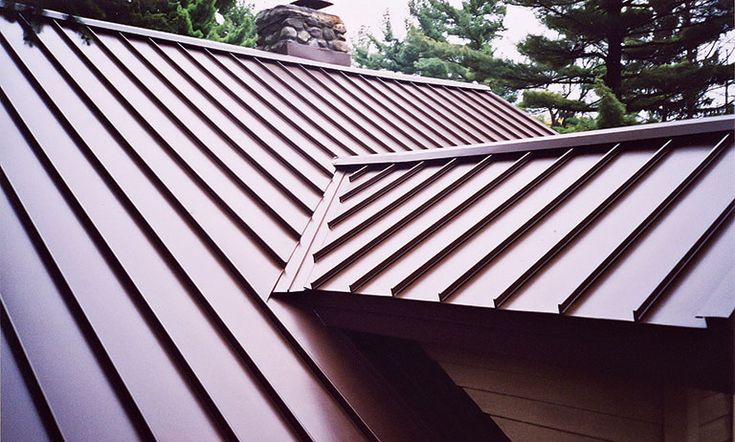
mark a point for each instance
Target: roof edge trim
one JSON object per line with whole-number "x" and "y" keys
{"x": 614, "y": 135}
{"x": 250, "y": 52}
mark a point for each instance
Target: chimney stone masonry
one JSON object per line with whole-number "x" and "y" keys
{"x": 304, "y": 32}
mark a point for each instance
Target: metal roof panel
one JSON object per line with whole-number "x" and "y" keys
{"x": 156, "y": 187}
{"x": 607, "y": 225}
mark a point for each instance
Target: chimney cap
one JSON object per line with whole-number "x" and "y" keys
{"x": 313, "y": 4}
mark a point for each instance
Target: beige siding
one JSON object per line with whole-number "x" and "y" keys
{"x": 531, "y": 402}
{"x": 520, "y": 431}
{"x": 715, "y": 417}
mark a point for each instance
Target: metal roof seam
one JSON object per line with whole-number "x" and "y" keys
{"x": 327, "y": 248}
{"x": 271, "y": 210}
{"x": 507, "y": 294}
{"x": 195, "y": 139}
{"x": 85, "y": 325}
{"x": 455, "y": 110}
{"x": 408, "y": 88}
{"x": 399, "y": 127}
{"x": 362, "y": 204}
{"x": 578, "y": 293}
{"x": 456, "y": 184}
{"x": 479, "y": 117}
{"x": 332, "y": 272}
{"x": 323, "y": 169}
{"x": 273, "y": 108}
{"x": 296, "y": 92}
{"x": 502, "y": 208}
{"x": 489, "y": 114}
{"x": 321, "y": 96}
{"x": 308, "y": 182}
{"x": 354, "y": 176}
{"x": 366, "y": 184}
{"x": 213, "y": 411}
{"x": 586, "y": 176}
{"x": 435, "y": 259}
{"x": 411, "y": 112}
{"x": 243, "y": 153}
{"x": 655, "y": 296}
{"x": 202, "y": 182}
{"x": 236, "y": 217}
{"x": 522, "y": 119}
{"x": 382, "y": 265}
{"x": 396, "y": 142}
{"x": 400, "y": 92}
{"x": 30, "y": 377}
{"x": 499, "y": 109}
{"x": 316, "y": 126}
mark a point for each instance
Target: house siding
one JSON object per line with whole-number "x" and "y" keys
{"x": 533, "y": 402}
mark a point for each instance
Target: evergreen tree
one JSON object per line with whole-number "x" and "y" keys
{"x": 560, "y": 107}
{"x": 445, "y": 42}
{"x": 195, "y": 18}
{"x": 610, "y": 111}
{"x": 657, "y": 56}
{"x": 238, "y": 26}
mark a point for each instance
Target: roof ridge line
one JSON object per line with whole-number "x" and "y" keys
{"x": 250, "y": 52}
{"x": 614, "y": 135}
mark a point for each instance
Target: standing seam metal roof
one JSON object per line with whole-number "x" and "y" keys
{"x": 632, "y": 225}
{"x": 154, "y": 188}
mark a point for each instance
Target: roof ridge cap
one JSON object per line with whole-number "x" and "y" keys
{"x": 577, "y": 139}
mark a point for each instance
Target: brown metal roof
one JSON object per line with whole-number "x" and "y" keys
{"x": 154, "y": 187}
{"x": 630, "y": 224}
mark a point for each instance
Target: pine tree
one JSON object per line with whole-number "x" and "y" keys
{"x": 195, "y": 18}
{"x": 237, "y": 27}
{"x": 445, "y": 42}
{"x": 657, "y": 56}
{"x": 610, "y": 111}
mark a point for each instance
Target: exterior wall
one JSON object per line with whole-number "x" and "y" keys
{"x": 714, "y": 418}
{"x": 531, "y": 402}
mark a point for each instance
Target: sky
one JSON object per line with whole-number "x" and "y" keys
{"x": 369, "y": 13}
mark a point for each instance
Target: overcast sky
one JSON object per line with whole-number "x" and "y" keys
{"x": 369, "y": 13}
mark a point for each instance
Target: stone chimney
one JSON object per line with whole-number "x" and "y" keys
{"x": 301, "y": 30}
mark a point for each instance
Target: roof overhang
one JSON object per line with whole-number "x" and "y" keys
{"x": 369, "y": 187}
{"x": 694, "y": 357}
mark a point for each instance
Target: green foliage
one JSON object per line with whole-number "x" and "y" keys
{"x": 238, "y": 26}
{"x": 475, "y": 24}
{"x": 576, "y": 124}
{"x": 610, "y": 111}
{"x": 559, "y": 107}
{"x": 195, "y": 18}
{"x": 661, "y": 57}
{"x": 446, "y": 42}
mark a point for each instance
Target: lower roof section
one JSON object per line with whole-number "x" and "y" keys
{"x": 639, "y": 228}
